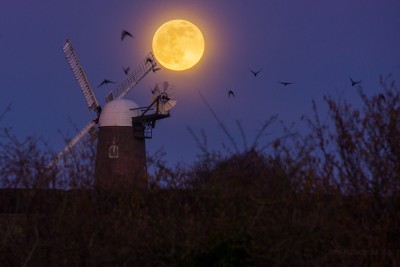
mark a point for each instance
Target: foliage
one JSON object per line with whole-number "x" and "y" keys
{"x": 22, "y": 162}
{"x": 25, "y": 164}
{"x": 329, "y": 198}
{"x": 361, "y": 154}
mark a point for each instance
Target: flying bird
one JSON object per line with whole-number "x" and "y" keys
{"x": 354, "y": 82}
{"x": 125, "y": 34}
{"x": 126, "y": 70}
{"x": 231, "y": 93}
{"x": 255, "y": 72}
{"x": 105, "y": 81}
{"x": 285, "y": 83}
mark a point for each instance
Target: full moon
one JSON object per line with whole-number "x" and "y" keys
{"x": 178, "y": 45}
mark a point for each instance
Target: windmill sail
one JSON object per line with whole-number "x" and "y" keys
{"x": 167, "y": 106}
{"x": 63, "y": 156}
{"x": 148, "y": 64}
{"x": 80, "y": 76}
{"x": 66, "y": 156}
{"x": 166, "y": 102}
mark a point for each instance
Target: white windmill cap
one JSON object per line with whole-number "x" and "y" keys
{"x": 118, "y": 113}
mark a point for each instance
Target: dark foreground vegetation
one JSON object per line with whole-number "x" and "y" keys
{"x": 330, "y": 198}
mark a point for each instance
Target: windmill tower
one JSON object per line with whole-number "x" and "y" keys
{"x": 121, "y": 127}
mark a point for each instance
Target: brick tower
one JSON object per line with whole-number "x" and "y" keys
{"x": 121, "y": 152}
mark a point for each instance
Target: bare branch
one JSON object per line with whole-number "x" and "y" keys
{"x": 220, "y": 123}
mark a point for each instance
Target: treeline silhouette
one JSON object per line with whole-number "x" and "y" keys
{"x": 327, "y": 198}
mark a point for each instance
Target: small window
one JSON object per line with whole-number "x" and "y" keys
{"x": 113, "y": 152}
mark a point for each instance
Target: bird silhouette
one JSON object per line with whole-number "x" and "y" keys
{"x": 105, "y": 81}
{"x": 231, "y": 93}
{"x": 255, "y": 73}
{"x": 126, "y": 70}
{"x": 354, "y": 82}
{"x": 125, "y": 34}
{"x": 285, "y": 83}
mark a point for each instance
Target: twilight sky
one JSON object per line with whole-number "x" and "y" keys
{"x": 316, "y": 44}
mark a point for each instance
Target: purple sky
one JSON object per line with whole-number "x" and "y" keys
{"x": 316, "y": 44}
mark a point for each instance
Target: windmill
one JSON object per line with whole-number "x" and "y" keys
{"x": 121, "y": 127}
